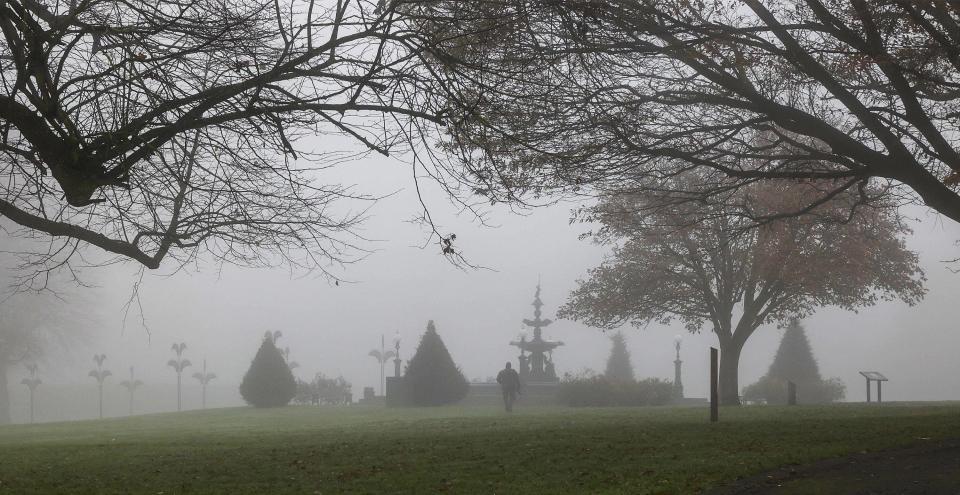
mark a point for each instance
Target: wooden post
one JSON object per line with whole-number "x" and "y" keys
{"x": 791, "y": 393}
{"x": 714, "y": 390}
{"x": 868, "y": 390}
{"x": 879, "y": 391}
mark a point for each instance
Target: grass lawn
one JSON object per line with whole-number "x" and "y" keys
{"x": 455, "y": 450}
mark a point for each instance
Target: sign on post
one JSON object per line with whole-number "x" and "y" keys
{"x": 874, "y": 376}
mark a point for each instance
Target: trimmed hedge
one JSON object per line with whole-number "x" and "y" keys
{"x": 600, "y": 391}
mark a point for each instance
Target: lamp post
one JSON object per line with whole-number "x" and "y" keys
{"x": 179, "y": 365}
{"x": 100, "y": 375}
{"x": 286, "y": 357}
{"x": 204, "y": 378}
{"x": 677, "y": 382}
{"x": 396, "y": 357}
{"x": 131, "y": 386}
{"x": 382, "y": 356}
{"x": 32, "y": 382}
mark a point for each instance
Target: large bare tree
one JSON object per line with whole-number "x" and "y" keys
{"x": 167, "y": 129}
{"x": 723, "y": 273}
{"x": 585, "y": 95}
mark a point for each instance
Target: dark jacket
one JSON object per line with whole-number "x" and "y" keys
{"x": 509, "y": 380}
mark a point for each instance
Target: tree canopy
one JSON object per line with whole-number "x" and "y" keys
{"x": 163, "y": 129}
{"x": 587, "y": 96}
{"x": 722, "y": 272}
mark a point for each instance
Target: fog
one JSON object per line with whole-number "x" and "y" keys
{"x": 221, "y": 312}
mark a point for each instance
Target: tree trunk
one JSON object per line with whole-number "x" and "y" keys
{"x": 4, "y": 395}
{"x": 729, "y": 373}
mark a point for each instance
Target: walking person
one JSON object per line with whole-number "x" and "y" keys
{"x": 509, "y": 382}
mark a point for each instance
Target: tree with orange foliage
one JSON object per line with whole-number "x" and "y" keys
{"x": 711, "y": 266}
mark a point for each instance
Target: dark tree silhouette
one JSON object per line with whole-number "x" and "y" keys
{"x": 163, "y": 129}
{"x": 268, "y": 382}
{"x": 131, "y": 385}
{"x": 32, "y": 382}
{"x": 619, "y": 367}
{"x": 434, "y": 379}
{"x": 587, "y": 96}
{"x": 178, "y": 365}
{"x": 733, "y": 279}
{"x": 100, "y": 374}
{"x": 794, "y": 362}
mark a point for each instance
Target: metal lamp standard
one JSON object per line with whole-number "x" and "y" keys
{"x": 382, "y": 356}
{"x": 677, "y": 382}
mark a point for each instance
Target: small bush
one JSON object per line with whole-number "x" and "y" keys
{"x": 323, "y": 391}
{"x": 600, "y": 391}
{"x": 268, "y": 382}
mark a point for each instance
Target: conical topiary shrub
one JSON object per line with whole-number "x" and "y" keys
{"x": 795, "y": 362}
{"x": 619, "y": 368}
{"x": 268, "y": 382}
{"x": 434, "y": 379}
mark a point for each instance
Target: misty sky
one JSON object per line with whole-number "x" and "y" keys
{"x": 222, "y": 313}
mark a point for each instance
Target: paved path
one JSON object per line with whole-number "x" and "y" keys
{"x": 930, "y": 467}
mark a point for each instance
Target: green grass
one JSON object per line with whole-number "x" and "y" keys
{"x": 455, "y": 450}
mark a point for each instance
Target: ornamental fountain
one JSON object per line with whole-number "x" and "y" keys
{"x": 538, "y": 365}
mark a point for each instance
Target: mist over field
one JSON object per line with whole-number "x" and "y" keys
{"x": 222, "y": 312}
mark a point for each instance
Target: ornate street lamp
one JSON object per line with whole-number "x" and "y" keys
{"x": 286, "y": 357}
{"x": 677, "y": 382}
{"x": 179, "y": 365}
{"x": 382, "y": 356}
{"x": 131, "y": 385}
{"x": 100, "y": 375}
{"x": 396, "y": 355}
{"x": 32, "y": 382}
{"x": 204, "y": 378}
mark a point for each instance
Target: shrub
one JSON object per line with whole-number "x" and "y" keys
{"x": 774, "y": 391}
{"x": 268, "y": 382}
{"x": 323, "y": 391}
{"x": 619, "y": 367}
{"x": 434, "y": 379}
{"x": 598, "y": 390}
{"x": 794, "y": 362}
